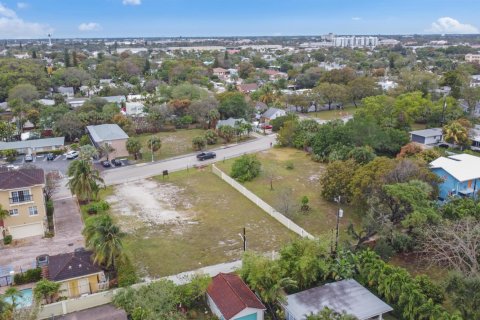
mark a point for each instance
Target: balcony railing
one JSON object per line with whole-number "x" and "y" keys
{"x": 24, "y": 198}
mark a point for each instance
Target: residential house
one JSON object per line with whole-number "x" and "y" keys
{"x": 67, "y": 92}
{"x": 111, "y": 134}
{"x": 387, "y": 85}
{"x": 271, "y": 114}
{"x": 219, "y": 72}
{"x": 475, "y": 81}
{"x": 229, "y": 298}
{"x": 247, "y": 87}
{"x": 46, "y": 102}
{"x": 21, "y": 193}
{"x": 76, "y": 272}
{"x": 475, "y": 138}
{"x": 134, "y": 109}
{"x": 427, "y": 136}
{"x": 76, "y": 102}
{"x": 232, "y": 122}
{"x": 118, "y": 100}
{"x": 274, "y": 75}
{"x": 34, "y": 146}
{"x": 460, "y": 174}
{"x": 346, "y": 296}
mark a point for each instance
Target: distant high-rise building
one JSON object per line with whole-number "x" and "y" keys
{"x": 355, "y": 42}
{"x": 49, "y": 40}
{"x": 472, "y": 58}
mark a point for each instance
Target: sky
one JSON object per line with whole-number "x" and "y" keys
{"x": 189, "y": 18}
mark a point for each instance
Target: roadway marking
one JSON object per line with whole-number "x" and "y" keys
{"x": 58, "y": 157}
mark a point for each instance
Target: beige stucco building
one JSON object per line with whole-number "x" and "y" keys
{"x": 110, "y": 134}
{"x": 21, "y": 194}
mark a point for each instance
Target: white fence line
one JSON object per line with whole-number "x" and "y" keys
{"x": 262, "y": 204}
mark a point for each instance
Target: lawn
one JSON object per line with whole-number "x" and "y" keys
{"x": 190, "y": 220}
{"x": 292, "y": 185}
{"x": 334, "y": 113}
{"x": 174, "y": 143}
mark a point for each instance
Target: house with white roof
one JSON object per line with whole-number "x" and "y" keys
{"x": 460, "y": 174}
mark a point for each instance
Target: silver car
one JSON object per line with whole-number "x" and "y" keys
{"x": 28, "y": 158}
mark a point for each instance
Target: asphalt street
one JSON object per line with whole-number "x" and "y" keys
{"x": 146, "y": 170}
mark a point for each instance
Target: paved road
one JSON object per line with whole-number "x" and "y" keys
{"x": 147, "y": 170}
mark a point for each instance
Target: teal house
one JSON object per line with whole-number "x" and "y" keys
{"x": 230, "y": 298}
{"x": 460, "y": 174}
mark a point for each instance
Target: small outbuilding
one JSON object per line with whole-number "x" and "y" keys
{"x": 346, "y": 296}
{"x": 230, "y": 298}
{"x": 110, "y": 134}
{"x": 427, "y": 136}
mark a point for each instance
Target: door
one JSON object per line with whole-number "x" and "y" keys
{"x": 252, "y": 316}
{"x": 24, "y": 231}
{"x": 83, "y": 286}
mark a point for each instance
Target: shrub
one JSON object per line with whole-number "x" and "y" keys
{"x": 290, "y": 165}
{"x": 10, "y": 155}
{"x": 126, "y": 273}
{"x": 7, "y": 239}
{"x": 29, "y": 276}
{"x": 199, "y": 143}
{"x": 74, "y": 146}
{"x": 246, "y": 168}
{"x": 96, "y": 207}
{"x": 384, "y": 249}
{"x": 305, "y": 207}
{"x": 84, "y": 140}
{"x": 211, "y": 137}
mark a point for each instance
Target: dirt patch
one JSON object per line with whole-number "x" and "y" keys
{"x": 150, "y": 203}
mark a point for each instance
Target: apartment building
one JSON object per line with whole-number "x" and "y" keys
{"x": 474, "y": 58}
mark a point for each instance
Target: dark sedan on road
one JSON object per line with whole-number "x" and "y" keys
{"x": 116, "y": 163}
{"x": 106, "y": 164}
{"x": 50, "y": 157}
{"x": 206, "y": 155}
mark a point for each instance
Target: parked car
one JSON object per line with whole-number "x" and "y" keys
{"x": 28, "y": 158}
{"x": 206, "y": 155}
{"x": 106, "y": 164}
{"x": 266, "y": 126}
{"x": 116, "y": 162}
{"x": 50, "y": 157}
{"x": 72, "y": 154}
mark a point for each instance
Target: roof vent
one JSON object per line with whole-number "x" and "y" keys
{"x": 69, "y": 267}
{"x": 80, "y": 265}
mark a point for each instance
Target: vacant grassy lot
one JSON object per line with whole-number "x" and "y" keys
{"x": 290, "y": 185}
{"x": 173, "y": 143}
{"x": 191, "y": 220}
{"x": 334, "y": 113}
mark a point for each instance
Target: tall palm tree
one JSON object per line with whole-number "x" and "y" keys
{"x": 105, "y": 239}
{"x": 13, "y": 294}
{"x": 213, "y": 117}
{"x": 83, "y": 179}
{"x": 105, "y": 149}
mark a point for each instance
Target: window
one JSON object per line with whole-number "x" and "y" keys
{"x": 13, "y": 212}
{"x": 20, "y": 196}
{"x": 33, "y": 211}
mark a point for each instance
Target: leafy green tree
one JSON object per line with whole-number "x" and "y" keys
{"x": 362, "y": 155}
{"x": 471, "y": 96}
{"x": 24, "y": 92}
{"x": 10, "y": 154}
{"x": 83, "y": 180}
{"x": 7, "y": 130}
{"x": 465, "y": 293}
{"x": 46, "y": 290}
{"x": 328, "y": 314}
{"x": 133, "y": 146}
{"x": 361, "y": 88}
{"x": 233, "y": 105}
{"x": 286, "y": 135}
{"x": 87, "y": 152}
{"x": 331, "y": 92}
{"x": 104, "y": 237}
{"x": 246, "y": 168}
{"x": 336, "y": 180}
{"x": 199, "y": 143}
{"x": 278, "y": 122}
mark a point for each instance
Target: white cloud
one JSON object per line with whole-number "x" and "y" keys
{"x": 450, "y": 25}
{"x": 12, "y": 26}
{"x": 89, "y": 26}
{"x": 356, "y": 18}
{"x": 22, "y": 5}
{"x": 132, "y": 2}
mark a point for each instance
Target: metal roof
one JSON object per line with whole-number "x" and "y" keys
{"x": 106, "y": 132}
{"x": 433, "y": 132}
{"x": 33, "y": 144}
{"x": 343, "y": 296}
{"x": 463, "y": 167}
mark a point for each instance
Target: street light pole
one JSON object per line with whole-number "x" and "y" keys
{"x": 151, "y": 147}
{"x": 339, "y": 215}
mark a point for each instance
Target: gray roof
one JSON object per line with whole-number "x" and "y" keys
{"x": 36, "y": 143}
{"x": 343, "y": 296}
{"x": 433, "y": 132}
{"x": 67, "y": 90}
{"x": 116, "y": 99}
{"x": 229, "y": 122}
{"x": 106, "y": 132}
{"x": 270, "y": 112}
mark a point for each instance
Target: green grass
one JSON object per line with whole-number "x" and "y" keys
{"x": 217, "y": 215}
{"x": 334, "y": 113}
{"x": 304, "y": 181}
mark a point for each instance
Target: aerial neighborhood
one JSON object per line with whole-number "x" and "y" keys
{"x": 316, "y": 177}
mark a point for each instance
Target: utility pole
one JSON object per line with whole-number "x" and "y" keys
{"x": 244, "y": 238}
{"x": 444, "y": 109}
{"x": 151, "y": 147}
{"x": 339, "y": 215}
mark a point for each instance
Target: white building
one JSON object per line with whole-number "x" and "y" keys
{"x": 475, "y": 58}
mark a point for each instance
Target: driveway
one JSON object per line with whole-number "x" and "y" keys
{"x": 68, "y": 225}
{"x": 105, "y": 312}
{"x": 147, "y": 170}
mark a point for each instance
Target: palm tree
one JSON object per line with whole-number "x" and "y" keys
{"x": 105, "y": 239}
{"x": 213, "y": 117}
{"x": 83, "y": 179}
{"x": 106, "y": 149}
{"x": 46, "y": 290}
{"x": 268, "y": 95}
{"x": 154, "y": 144}
{"x": 13, "y": 294}
{"x": 456, "y": 133}
{"x": 133, "y": 147}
